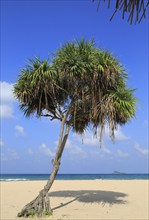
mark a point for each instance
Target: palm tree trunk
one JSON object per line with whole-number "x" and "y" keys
{"x": 41, "y": 205}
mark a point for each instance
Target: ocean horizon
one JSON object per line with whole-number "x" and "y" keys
{"x": 33, "y": 177}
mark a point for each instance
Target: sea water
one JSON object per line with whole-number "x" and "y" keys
{"x": 27, "y": 177}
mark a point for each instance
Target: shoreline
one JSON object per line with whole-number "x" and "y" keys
{"x": 80, "y": 199}
{"x": 62, "y": 177}
{"x": 10, "y": 181}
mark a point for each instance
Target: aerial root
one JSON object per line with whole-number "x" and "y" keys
{"x": 38, "y": 207}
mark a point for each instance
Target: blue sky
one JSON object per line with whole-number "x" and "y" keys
{"x": 38, "y": 28}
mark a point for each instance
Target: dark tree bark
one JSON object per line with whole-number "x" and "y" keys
{"x": 40, "y": 206}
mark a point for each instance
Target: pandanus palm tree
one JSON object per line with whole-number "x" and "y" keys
{"x": 135, "y": 9}
{"x": 82, "y": 86}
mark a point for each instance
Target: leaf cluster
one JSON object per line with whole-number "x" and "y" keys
{"x": 88, "y": 81}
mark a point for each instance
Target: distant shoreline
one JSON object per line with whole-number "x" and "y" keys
{"x": 30, "y": 177}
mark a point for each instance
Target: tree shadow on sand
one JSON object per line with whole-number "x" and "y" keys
{"x": 90, "y": 196}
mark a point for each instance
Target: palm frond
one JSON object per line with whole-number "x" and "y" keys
{"x": 135, "y": 9}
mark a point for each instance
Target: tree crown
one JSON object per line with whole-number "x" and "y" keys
{"x": 82, "y": 81}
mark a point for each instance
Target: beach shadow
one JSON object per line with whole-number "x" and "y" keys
{"x": 90, "y": 196}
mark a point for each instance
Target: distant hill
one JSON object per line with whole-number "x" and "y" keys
{"x": 117, "y": 172}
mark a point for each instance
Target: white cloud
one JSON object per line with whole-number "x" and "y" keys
{"x": 7, "y": 100}
{"x": 68, "y": 144}
{"x": 1, "y": 143}
{"x": 45, "y": 150}
{"x": 73, "y": 149}
{"x": 3, "y": 157}
{"x": 87, "y": 138}
{"x": 12, "y": 154}
{"x": 6, "y": 111}
{"x": 30, "y": 151}
{"x": 141, "y": 150}
{"x": 6, "y": 92}
{"x": 146, "y": 122}
{"x": 106, "y": 150}
{"x": 119, "y": 135}
{"x": 122, "y": 154}
{"x": 19, "y": 130}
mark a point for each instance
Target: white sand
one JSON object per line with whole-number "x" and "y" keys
{"x": 81, "y": 199}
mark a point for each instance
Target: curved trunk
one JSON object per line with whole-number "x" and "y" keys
{"x": 41, "y": 205}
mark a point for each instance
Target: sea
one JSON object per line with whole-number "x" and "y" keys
{"x": 33, "y": 177}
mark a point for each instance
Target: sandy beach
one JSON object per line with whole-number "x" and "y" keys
{"x": 81, "y": 199}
